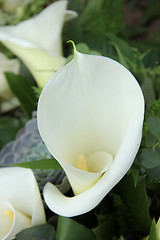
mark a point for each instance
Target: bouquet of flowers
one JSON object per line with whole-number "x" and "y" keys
{"x": 79, "y": 120}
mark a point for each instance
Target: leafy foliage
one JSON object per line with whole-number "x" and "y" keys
{"x": 70, "y": 229}
{"x": 136, "y": 200}
{"x": 106, "y": 229}
{"x": 132, "y": 208}
{"x": 40, "y": 164}
{"x": 21, "y": 11}
{"x": 22, "y": 89}
{"x": 9, "y": 127}
{"x": 152, "y": 234}
{"x": 41, "y": 232}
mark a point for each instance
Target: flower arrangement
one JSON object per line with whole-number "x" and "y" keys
{"x": 79, "y": 120}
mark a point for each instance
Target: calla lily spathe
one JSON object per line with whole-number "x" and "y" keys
{"x": 20, "y": 202}
{"x": 90, "y": 116}
{"x": 37, "y": 41}
{"x": 8, "y": 101}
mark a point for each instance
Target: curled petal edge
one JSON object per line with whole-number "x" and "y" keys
{"x": 86, "y": 201}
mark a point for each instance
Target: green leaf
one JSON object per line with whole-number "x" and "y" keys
{"x": 148, "y": 90}
{"x": 83, "y": 48}
{"x": 135, "y": 174}
{"x": 150, "y": 158}
{"x": 97, "y": 15}
{"x": 37, "y": 91}
{"x": 8, "y": 129}
{"x": 150, "y": 140}
{"x": 71, "y": 230}
{"x": 137, "y": 201}
{"x": 22, "y": 89}
{"x": 152, "y": 234}
{"x": 119, "y": 46}
{"x": 123, "y": 217}
{"x": 123, "y": 47}
{"x": 50, "y": 163}
{"x": 153, "y": 109}
{"x": 154, "y": 126}
{"x": 154, "y": 173}
{"x": 40, "y": 232}
{"x": 106, "y": 229}
{"x": 121, "y": 57}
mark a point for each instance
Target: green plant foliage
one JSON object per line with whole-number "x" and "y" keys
{"x": 156, "y": 76}
{"x": 123, "y": 216}
{"x": 153, "y": 173}
{"x": 82, "y": 48}
{"x": 102, "y": 27}
{"x": 148, "y": 90}
{"x": 106, "y": 229}
{"x": 72, "y": 230}
{"x": 152, "y": 234}
{"x": 24, "y": 10}
{"x": 153, "y": 10}
{"x": 123, "y": 49}
{"x": 9, "y": 127}
{"x": 97, "y": 15}
{"x": 136, "y": 200}
{"x": 135, "y": 174}
{"x": 150, "y": 158}
{"x": 40, "y": 164}
{"x": 40, "y": 232}
{"x": 37, "y": 91}
{"x": 150, "y": 153}
{"x": 154, "y": 126}
{"x": 22, "y": 89}
{"x": 153, "y": 109}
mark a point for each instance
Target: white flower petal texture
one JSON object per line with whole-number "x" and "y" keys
{"x": 37, "y": 41}
{"x": 20, "y": 202}
{"x": 90, "y": 116}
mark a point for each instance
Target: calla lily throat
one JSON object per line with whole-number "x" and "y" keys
{"x": 9, "y": 214}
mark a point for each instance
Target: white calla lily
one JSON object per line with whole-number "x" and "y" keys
{"x": 37, "y": 41}
{"x": 90, "y": 116}
{"x": 20, "y": 202}
{"x": 8, "y": 101}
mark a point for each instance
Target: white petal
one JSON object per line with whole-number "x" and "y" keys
{"x": 5, "y": 222}
{"x": 42, "y": 64}
{"x": 89, "y": 199}
{"x": 37, "y": 41}
{"x": 89, "y": 106}
{"x": 69, "y": 15}
{"x": 9, "y": 227}
{"x": 43, "y": 30}
{"x": 19, "y": 187}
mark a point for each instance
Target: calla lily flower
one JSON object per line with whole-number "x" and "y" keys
{"x": 20, "y": 202}
{"x": 8, "y": 101}
{"x": 90, "y": 116}
{"x": 37, "y": 41}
